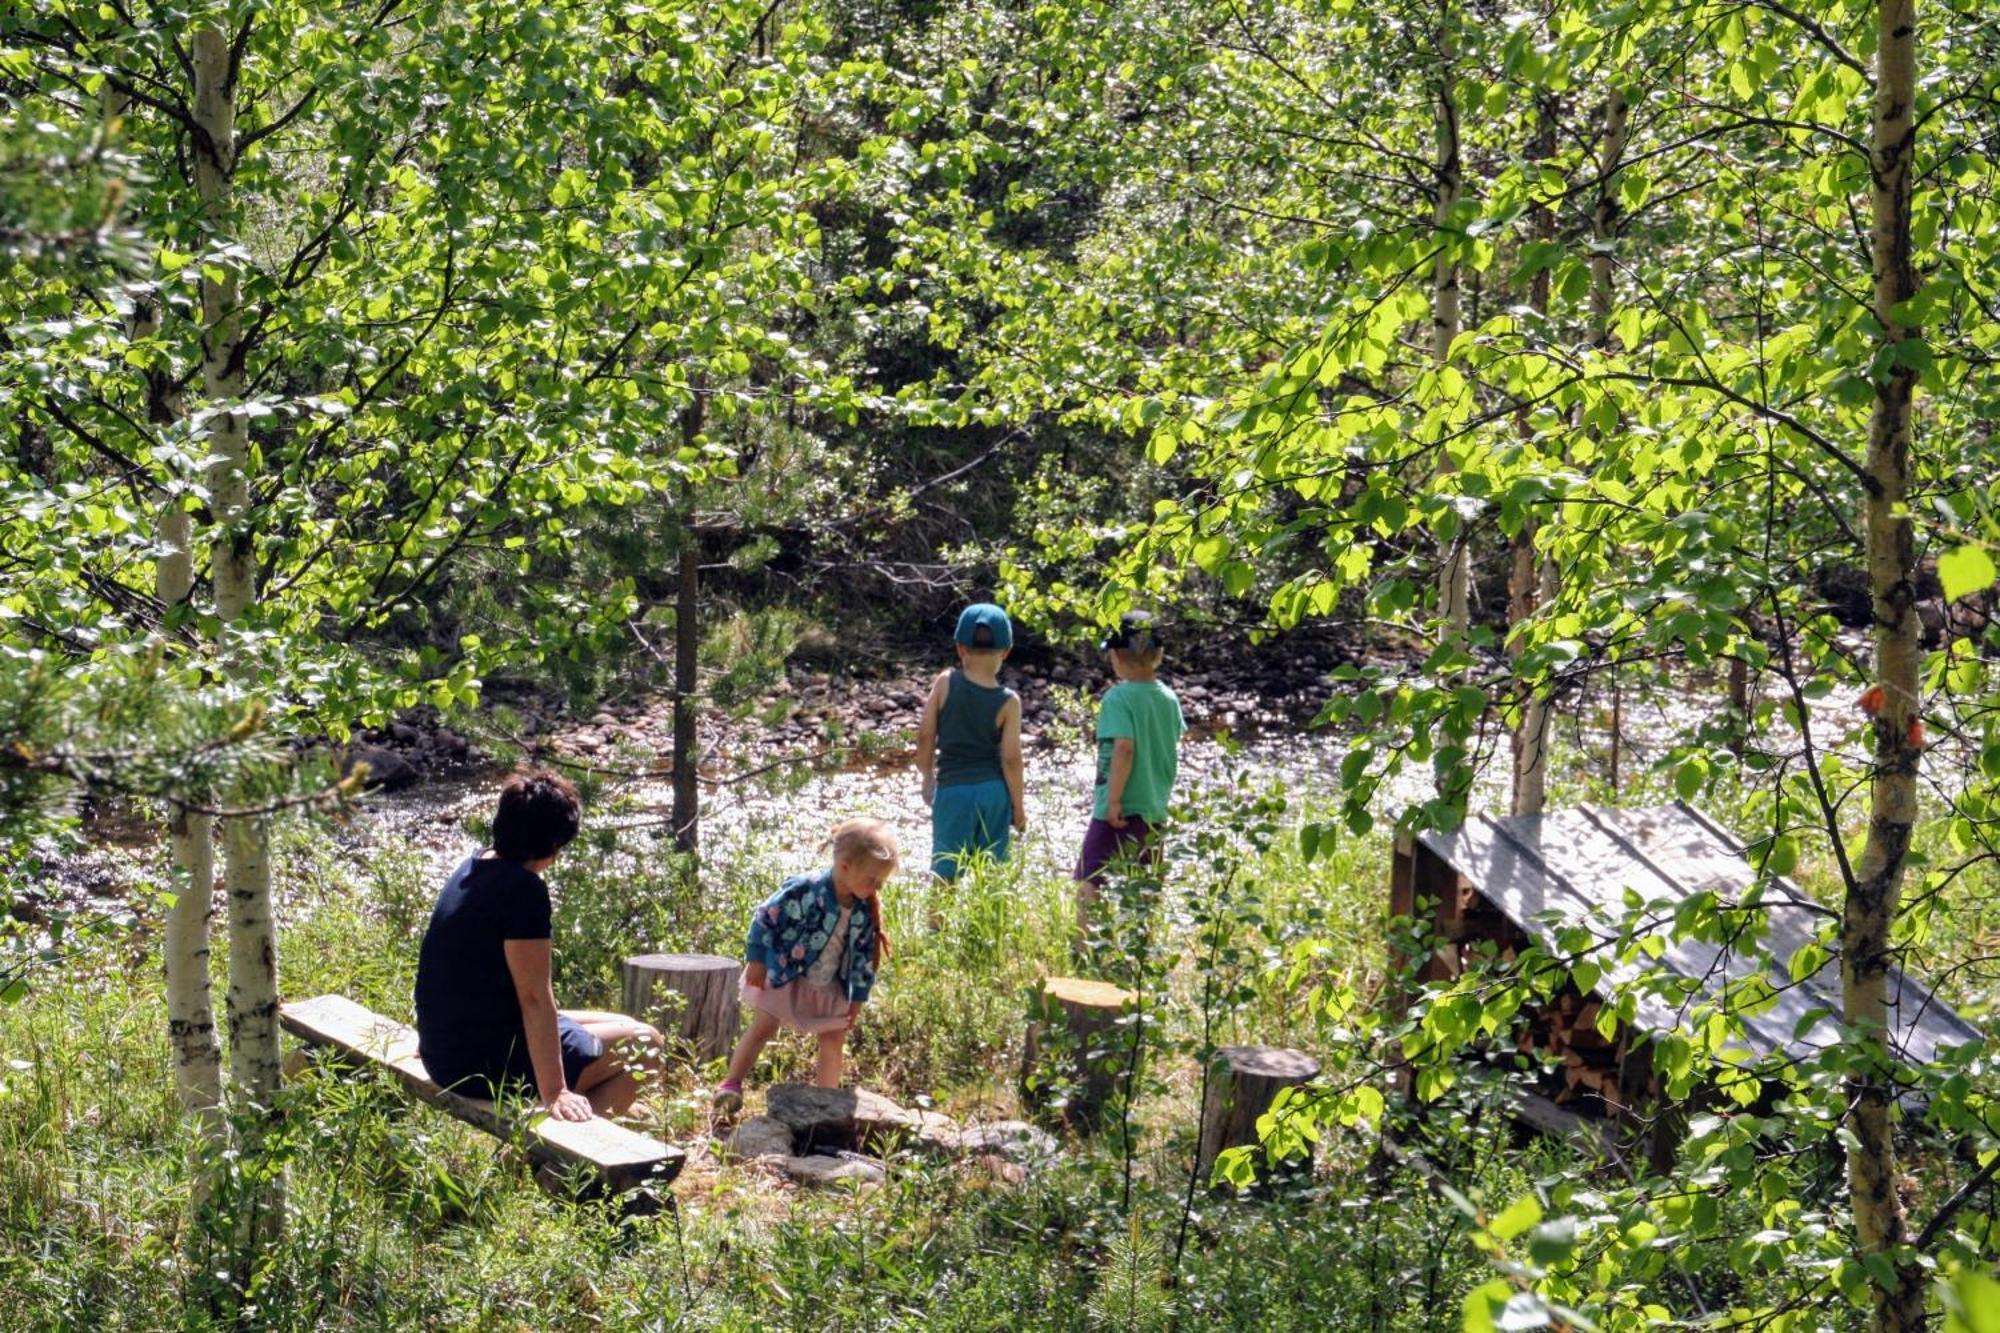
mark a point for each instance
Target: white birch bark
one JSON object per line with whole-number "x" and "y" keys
{"x": 1454, "y": 561}
{"x": 195, "y": 1053}
{"x": 191, "y": 1037}
{"x": 253, "y": 973}
{"x": 1875, "y": 890}
{"x": 1532, "y": 582}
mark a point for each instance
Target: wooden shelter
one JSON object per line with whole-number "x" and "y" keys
{"x": 1496, "y": 883}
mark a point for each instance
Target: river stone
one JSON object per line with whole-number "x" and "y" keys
{"x": 387, "y": 770}
{"x": 761, "y": 1136}
{"x": 836, "y": 1117}
{"x": 818, "y": 1170}
{"x": 937, "y": 1132}
{"x": 1015, "y": 1140}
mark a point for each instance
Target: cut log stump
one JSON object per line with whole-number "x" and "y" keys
{"x": 709, "y": 1015}
{"x": 1075, "y": 1052}
{"x": 1243, "y": 1081}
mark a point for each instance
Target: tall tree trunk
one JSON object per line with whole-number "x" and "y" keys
{"x": 1874, "y": 891}
{"x": 197, "y": 1056}
{"x": 687, "y": 642}
{"x": 1454, "y": 560}
{"x": 253, "y": 953}
{"x": 687, "y": 646}
{"x": 1604, "y": 218}
{"x": 191, "y": 1038}
{"x": 1532, "y": 581}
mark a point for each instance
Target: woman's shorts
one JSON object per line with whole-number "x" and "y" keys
{"x": 484, "y": 1077}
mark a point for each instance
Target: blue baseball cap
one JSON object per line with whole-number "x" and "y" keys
{"x": 985, "y": 626}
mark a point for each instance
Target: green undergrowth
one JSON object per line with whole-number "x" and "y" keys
{"x": 400, "y": 1217}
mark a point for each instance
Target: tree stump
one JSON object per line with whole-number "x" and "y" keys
{"x": 1243, "y": 1081}
{"x": 708, "y": 1021}
{"x": 1087, "y": 1053}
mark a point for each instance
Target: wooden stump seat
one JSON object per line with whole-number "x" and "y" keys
{"x": 1087, "y": 1013}
{"x": 710, "y": 1015}
{"x": 618, "y": 1159}
{"x": 1243, "y": 1081}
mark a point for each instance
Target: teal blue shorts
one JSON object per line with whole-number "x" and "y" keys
{"x": 969, "y": 819}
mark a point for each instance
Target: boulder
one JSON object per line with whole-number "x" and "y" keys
{"x": 821, "y": 1170}
{"x": 761, "y": 1136}
{"x": 450, "y": 744}
{"x": 837, "y": 1118}
{"x": 387, "y": 770}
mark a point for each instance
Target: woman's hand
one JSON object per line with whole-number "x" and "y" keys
{"x": 853, "y": 1015}
{"x": 755, "y": 975}
{"x": 570, "y": 1106}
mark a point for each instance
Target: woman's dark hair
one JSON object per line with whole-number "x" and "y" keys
{"x": 538, "y": 816}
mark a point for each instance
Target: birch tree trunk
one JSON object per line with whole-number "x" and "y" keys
{"x": 191, "y": 1040}
{"x": 1531, "y": 582}
{"x": 253, "y": 956}
{"x": 687, "y": 644}
{"x": 197, "y": 1056}
{"x": 1604, "y": 217}
{"x": 1874, "y": 891}
{"x": 1454, "y": 561}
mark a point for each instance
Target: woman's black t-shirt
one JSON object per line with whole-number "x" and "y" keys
{"x": 468, "y": 1017}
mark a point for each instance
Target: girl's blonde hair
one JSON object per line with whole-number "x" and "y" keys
{"x": 853, "y": 839}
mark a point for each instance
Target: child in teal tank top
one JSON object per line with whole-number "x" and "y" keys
{"x": 969, "y": 748}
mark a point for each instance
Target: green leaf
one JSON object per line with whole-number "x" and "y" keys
{"x": 1972, "y": 1304}
{"x": 1523, "y": 1213}
{"x": 1689, "y": 777}
{"x": 1484, "y": 1304}
{"x": 1552, "y": 1241}
{"x": 1967, "y": 569}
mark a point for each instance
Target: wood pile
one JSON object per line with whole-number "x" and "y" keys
{"x": 1594, "y": 1074}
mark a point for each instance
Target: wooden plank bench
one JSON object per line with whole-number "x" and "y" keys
{"x": 619, "y": 1159}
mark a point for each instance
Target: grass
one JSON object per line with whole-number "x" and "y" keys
{"x": 402, "y": 1218}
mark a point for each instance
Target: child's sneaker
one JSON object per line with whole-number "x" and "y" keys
{"x": 727, "y": 1098}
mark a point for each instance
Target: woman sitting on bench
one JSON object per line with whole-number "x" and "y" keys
{"x": 486, "y": 1012}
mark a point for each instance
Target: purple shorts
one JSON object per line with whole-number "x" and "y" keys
{"x": 1102, "y": 844}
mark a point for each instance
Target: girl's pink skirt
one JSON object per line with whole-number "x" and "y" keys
{"x": 800, "y": 1004}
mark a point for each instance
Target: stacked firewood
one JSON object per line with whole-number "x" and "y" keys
{"x": 1595, "y": 1072}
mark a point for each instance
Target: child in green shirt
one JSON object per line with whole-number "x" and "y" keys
{"x": 1139, "y": 726}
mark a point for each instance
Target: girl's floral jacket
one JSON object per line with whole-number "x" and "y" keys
{"x": 794, "y": 924}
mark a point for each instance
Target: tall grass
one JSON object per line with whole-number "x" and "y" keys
{"x": 403, "y": 1218}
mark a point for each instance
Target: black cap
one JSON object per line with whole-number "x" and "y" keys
{"x": 1137, "y": 632}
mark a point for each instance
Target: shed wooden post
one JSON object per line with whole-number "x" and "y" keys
{"x": 1091, "y": 1050}
{"x": 708, "y": 1021}
{"x": 1243, "y": 1081}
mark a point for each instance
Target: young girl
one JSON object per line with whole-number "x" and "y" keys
{"x": 812, "y": 953}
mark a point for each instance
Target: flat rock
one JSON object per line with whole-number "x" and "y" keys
{"x": 937, "y": 1132}
{"x": 1012, "y": 1140}
{"x": 761, "y": 1136}
{"x": 837, "y": 1117}
{"x": 819, "y": 1170}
